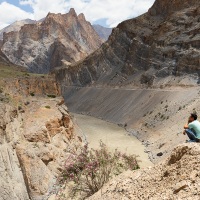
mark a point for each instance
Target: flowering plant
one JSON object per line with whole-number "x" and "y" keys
{"x": 89, "y": 169}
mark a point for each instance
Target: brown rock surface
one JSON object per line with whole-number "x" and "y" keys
{"x": 177, "y": 177}
{"x": 35, "y": 85}
{"x": 58, "y": 39}
{"x": 35, "y": 132}
{"x": 149, "y": 50}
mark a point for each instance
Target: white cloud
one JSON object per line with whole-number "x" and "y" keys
{"x": 11, "y": 13}
{"x": 42, "y": 7}
{"x": 113, "y": 11}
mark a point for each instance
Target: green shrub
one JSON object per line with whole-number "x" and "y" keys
{"x": 26, "y": 74}
{"x": 150, "y": 112}
{"x": 32, "y": 94}
{"x": 51, "y": 95}
{"x": 90, "y": 169}
{"x": 48, "y": 107}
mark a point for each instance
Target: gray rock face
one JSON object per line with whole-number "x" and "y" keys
{"x": 103, "y": 32}
{"x": 161, "y": 43}
{"x": 12, "y": 184}
{"x": 16, "y": 26}
{"x": 57, "y": 39}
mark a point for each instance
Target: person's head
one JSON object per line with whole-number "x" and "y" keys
{"x": 192, "y": 117}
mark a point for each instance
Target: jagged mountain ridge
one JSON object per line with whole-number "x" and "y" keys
{"x": 48, "y": 44}
{"x": 103, "y": 32}
{"x": 151, "y": 49}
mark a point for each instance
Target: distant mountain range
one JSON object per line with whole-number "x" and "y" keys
{"x": 103, "y": 32}
{"x": 58, "y": 39}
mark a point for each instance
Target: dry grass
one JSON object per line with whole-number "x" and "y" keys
{"x": 13, "y": 71}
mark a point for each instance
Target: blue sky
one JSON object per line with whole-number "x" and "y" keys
{"x": 108, "y": 13}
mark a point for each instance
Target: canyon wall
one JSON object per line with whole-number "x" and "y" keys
{"x": 36, "y": 130}
{"x": 151, "y": 49}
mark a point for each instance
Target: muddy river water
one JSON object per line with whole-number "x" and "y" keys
{"x": 112, "y": 135}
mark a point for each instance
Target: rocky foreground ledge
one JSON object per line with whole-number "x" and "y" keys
{"x": 35, "y": 131}
{"x": 178, "y": 177}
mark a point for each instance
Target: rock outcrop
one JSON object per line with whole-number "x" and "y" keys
{"x": 176, "y": 178}
{"x": 35, "y": 132}
{"x": 151, "y": 49}
{"x": 45, "y": 45}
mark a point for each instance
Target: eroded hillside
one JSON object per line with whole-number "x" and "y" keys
{"x": 36, "y": 129}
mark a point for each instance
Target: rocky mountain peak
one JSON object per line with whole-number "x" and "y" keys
{"x": 72, "y": 12}
{"x": 81, "y": 17}
{"x": 59, "y": 39}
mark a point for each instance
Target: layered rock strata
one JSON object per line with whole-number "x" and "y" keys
{"x": 151, "y": 49}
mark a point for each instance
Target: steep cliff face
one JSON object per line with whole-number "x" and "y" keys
{"x": 35, "y": 133}
{"x": 48, "y": 44}
{"x": 150, "y": 49}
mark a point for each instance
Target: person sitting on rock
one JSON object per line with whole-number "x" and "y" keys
{"x": 192, "y": 128}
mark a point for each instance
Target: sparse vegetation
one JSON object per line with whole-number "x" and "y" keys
{"x": 19, "y": 107}
{"x": 32, "y": 94}
{"x": 48, "y": 107}
{"x": 51, "y": 95}
{"x": 180, "y": 107}
{"x": 150, "y": 112}
{"x": 90, "y": 169}
{"x": 26, "y": 74}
